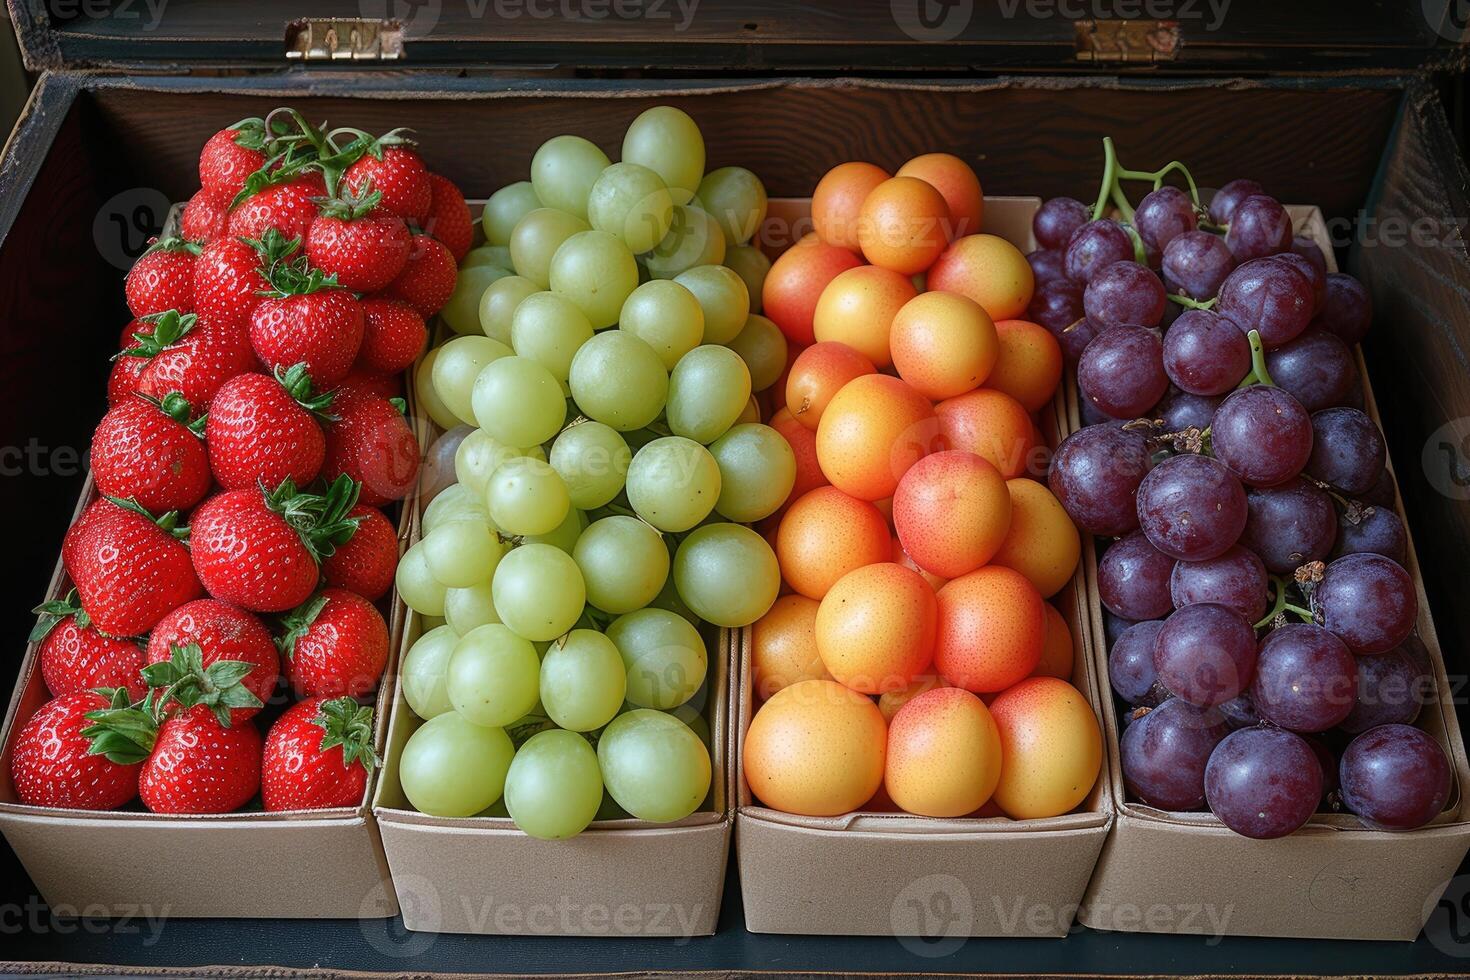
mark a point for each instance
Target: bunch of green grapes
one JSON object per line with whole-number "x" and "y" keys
{"x": 597, "y": 392}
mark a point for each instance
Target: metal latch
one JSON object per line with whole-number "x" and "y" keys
{"x": 1128, "y": 41}
{"x": 344, "y": 39}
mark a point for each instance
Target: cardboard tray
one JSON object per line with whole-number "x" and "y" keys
{"x": 901, "y": 875}
{"x": 1333, "y": 879}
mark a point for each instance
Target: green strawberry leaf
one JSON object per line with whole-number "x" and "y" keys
{"x": 298, "y": 384}
{"x": 55, "y": 611}
{"x": 321, "y": 520}
{"x": 349, "y": 725}
{"x": 186, "y": 682}
{"x": 173, "y": 243}
{"x": 169, "y": 328}
{"x": 298, "y": 621}
{"x": 168, "y": 522}
{"x": 349, "y": 205}
{"x": 122, "y": 732}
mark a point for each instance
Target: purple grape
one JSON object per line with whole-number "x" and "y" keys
{"x": 1075, "y": 336}
{"x": 1289, "y": 525}
{"x": 1179, "y": 410}
{"x": 1263, "y": 434}
{"x": 1347, "y": 450}
{"x": 1240, "y": 711}
{"x": 1123, "y": 294}
{"x": 1205, "y": 354}
{"x": 1395, "y": 777}
{"x": 1314, "y": 274}
{"x": 1047, "y": 265}
{"x": 1205, "y": 654}
{"x": 1114, "y": 626}
{"x": 1259, "y": 227}
{"x": 1165, "y": 752}
{"x": 1095, "y": 474}
{"x": 1317, "y": 368}
{"x": 1263, "y": 782}
{"x": 1392, "y": 688}
{"x": 1096, "y": 245}
{"x": 1236, "y": 579}
{"x": 1347, "y": 309}
{"x": 1306, "y": 680}
{"x": 1228, "y": 198}
{"x": 1368, "y": 601}
{"x": 1267, "y": 296}
{"x": 1056, "y": 220}
{"x": 1191, "y": 507}
{"x": 1163, "y": 215}
{"x": 1122, "y": 371}
{"x": 1195, "y": 264}
{"x": 1091, "y": 414}
{"x": 1133, "y": 579}
{"x": 1131, "y": 664}
{"x": 1055, "y": 304}
{"x": 1377, "y": 531}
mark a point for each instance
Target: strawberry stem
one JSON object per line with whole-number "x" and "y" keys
{"x": 297, "y": 382}
{"x": 167, "y": 522}
{"x": 349, "y": 725}
{"x": 186, "y": 682}
{"x": 123, "y": 732}
{"x": 55, "y": 611}
{"x": 298, "y": 621}
{"x": 169, "y": 328}
{"x": 320, "y": 520}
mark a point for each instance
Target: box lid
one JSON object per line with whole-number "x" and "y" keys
{"x": 748, "y": 36}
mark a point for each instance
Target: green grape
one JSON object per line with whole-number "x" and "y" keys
{"x": 455, "y": 502}
{"x": 619, "y": 380}
{"x": 751, "y": 413}
{"x": 665, "y": 140}
{"x": 751, "y": 265}
{"x": 467, "y": 608}
{"x": 592, "y": 459}
{"x": 697, "y": 722}
{"x": 631, "y": 201}
{"x": 538, "y": 591}
{"x": 694, "y": 239}
{"x": 727, "y": 574}
{"x": 723, "y": 297}
{"x": 596, "y": 271}
{"x": 554, "y": 787}
{"x": 452, "y": 767}
{"x": 668, "y": 599}
{"x": 423, "y": 670}
{"x": 762, "y": 346}
{"x": 536, "y": 239}
{"x": 498, "y": 305}
{"x": 493, "y": 255}
{"x": 417, "y": 586}
{"x": 736, "y": 199}
{"x": 708, "y": 389}
{"x": 757, "y": 472}
{"x": 663, "y": 654}
{"x": 494, "y": 676}
{"x": 506, "y": 208}
{"x": 564, "y": 537}
{"x": 582, "y": 681}
{"x": 481, "y": 454}
{"x": 666, "y": 316}
{"x": 548, "y": 329}
{"x": 563, "y": 171}
{"x": 624, "y": 563}
{"x": 526, "y": 496}
{"x": 518, "y": 402}
{"x": 462, "y": 310}
{"x": 673, "y": 483}
{"x": 462, "y": 553}
{"x": 457, "y": 365}
{"x": 428, "y": 398}
{"x": 654, "y": 765}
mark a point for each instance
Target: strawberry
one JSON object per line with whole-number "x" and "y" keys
{"x": 286, "y": 203}
{"x": 262, "y": 430}
{"x": 189, "y": 355}
{"x": 229, "y": 157}
{"x": 371, "y": 442}
{"x": 449, "y": 218}
{"x": 362, "y": 245}
{"x": 260, "y": 549}
{"x": 204, "y": 218}
{"x": 366, "y": 564}
{"x": 334, "y": 643}
{"x": 318, "y": 754}
{"x": 396, "y": 171}
{"x": 427, "y": 282}
{"x": 360, "y": 381}
{"x": 199, "y": 766}
{"x": 228, "y": 280}
{"x": 163, "y": 278}
{"x": 393, "y": 336}
{"x": 150, "y": 450}
{"x": 305, "y": 318}
{"x": 77, "y": 656}
{"x": 130, "y": 568}
{"x": 61, "y": 759}
{"x": 189, "y": 648}
{"x": 122, "y": 380}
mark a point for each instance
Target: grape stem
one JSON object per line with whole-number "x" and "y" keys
{"x": 1258, "y": 374}
{"x": 1280, "y": 607}
{"x": 1193, "y": 304}
{"x": 1109, "y": 178}
{"x": 1157, "y": 177}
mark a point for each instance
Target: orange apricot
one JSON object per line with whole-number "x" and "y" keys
{"x": 901, "y": 557}
{"x": 875, "y": 628}
{"x": 989, "y": 270}
{"x": 1052, "y": 747}
{"x": 815, "y": 748}
{"x": 803, "y": 442}
{"x": 944, "y": 754}
{"x": 826, "y": 534}
{"x": 956, "y": 181}
{"x": 992, "y": 425}
{"x": 943, "y": 344}
{"x": 1056, "y": 650}
{"x": 817, "y": 374}
{"x": 992, "y": 628}
{"x": 871, "y": 432}
{"x": 1042, "y": 543}
{"x": 890, "y": 701}
{"x": 783, "y": 646}
{"x": 795, "y": 282}
{"x": 838, "y": 200}
{"x": 952, "y": 512}
{"x": 1029, "y": 364}
{"x": 902, "y": 225}
{"x": 857, "y": 309}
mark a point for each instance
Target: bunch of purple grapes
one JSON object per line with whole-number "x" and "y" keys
{"x": 1260, "y": 618}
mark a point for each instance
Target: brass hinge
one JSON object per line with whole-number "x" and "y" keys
{"x": 344, "y": 39}
{"x": 1128, "y": 41}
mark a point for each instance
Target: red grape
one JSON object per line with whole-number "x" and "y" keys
{"x": 1306, "y": 680}
{"x": 1267, "y": 296}
{"x": 1205, "y": 354}
{"x": 1205, "y": 653}
{"x": 1263, "y": 782}
{"x": 1133, "y": 579}
{"x": 1228, "y": 198}
{"x": 1236, "y": 579}
{"x": 1395, "y": 777}
{"x": 1056, "y": 219}
{"x": 1122, "y": 371}
{"x": 1263, "y": 434}
{"x": 1096, "y": 245}
{"x": 1179, "y": 410}
{"x": 1317, "y": 368}
{"x": 1163, "y": 215}
{"x": 1047, "y": 265}
{"x": 1191, "y": 507}
{"x": 1131, "y": 665}
{"x": 1347, "y": 450}
{"x": 1315, "y": 274}
{"x": 1095, "y": 474}
{"x": 1391, "y": 690}
{"x": 1368, "y": 601}
{"x": 1347, "y": 309}
{"x": 1125, "y": 293}
{"x": 1289, "y": 525}
{"x": 1164, "y": 754}
{"x": 1195, "y": 264}
{"x": 1377, "y": 531}
{"x": 1240, "y": 711}
{"x": 1259, "y": 227}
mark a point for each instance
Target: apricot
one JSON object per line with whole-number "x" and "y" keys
{"x": 890, "y": 701}
{"x": 944, "y": 754}
{"x": 943, "y": 344}
{"x": 816, "y": 748}
{"x": 953, "y": 179}
{"x": 783, "y": 646}
{"x": 824, "y": 535}
{"x": 901, "y": 557}
{"x": 952, "y": 511}
{"x": 817, "y": 374}
{"x": 875, "y": 628}
{"x": 902, "y": 225}
{"x": 838, "y": 200}
{"x": 1056, "y": 649}
{"x": 1042, "y": 543}
{"x": 994, "y": 426}
{"x": 989, "y": 270}
{"x": 1052, "y": 747}
{"x": 872, "y": 431}
{"x": 795, "y": 282}
{"x": 992, "y": 628}
{"x": 857, "y": 309}
{"x": 1028, "y": 366}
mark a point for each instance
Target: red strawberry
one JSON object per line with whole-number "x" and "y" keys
{"x": 163, "y": 278}
{"x": 449, "y": 217}
{"x": 286, "y": 204}
{"x": 306, "y": 318}
{"x": 393, "y": 336}
{"x": 228, "y": 280}
{"x": 150, "y": 451}
{"x": 396, "y": 171}
{"x": 77, "y": 656}
{"x": 366, "y": 564}
{"x": 229, "y": 157}
{"x": 200, "y": 766}
{"x": 427, "y": 282}
{"x": 204, "y": 218}
{"x": 130, "y": 567}
{"x": 126, "y": 370}
{"x": 334, "y": 643}
{"x": 260, "y": 550}
{"x": 361, "y": 244}
{"x": 219, "y": 635}
{"x": 55, "y": 760}
{"x": 318, "y": 754}
{"x": 262, "y": 430}
{"x": 371, "y": 442}
{"x": 188, "y": 355}
{"x": 368, "y": 382}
